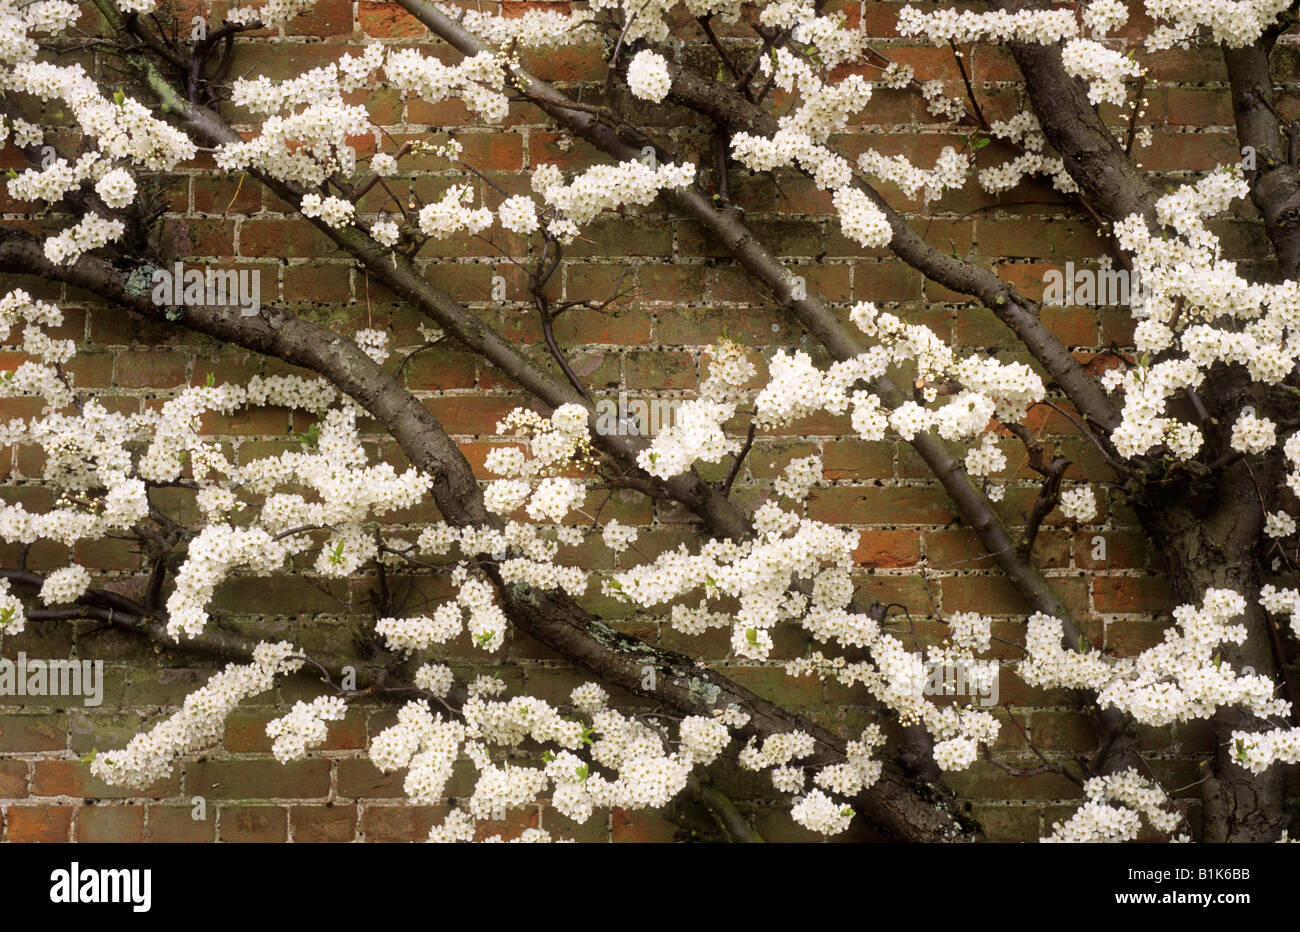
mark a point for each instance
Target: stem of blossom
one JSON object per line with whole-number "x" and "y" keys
{"x": 1131, "y": 135}
{"x": 723, "y": 810}
{"x": 1049, "y": 493}
{"x": 722, "y": 53}
{"x": 538, "y": 280}
{"x": 740, "y": 459}
{"x": 970, "y": 91}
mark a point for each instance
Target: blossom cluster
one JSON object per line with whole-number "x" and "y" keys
{"x": 1116, "y": 807}
{"x": 150, "y": 755}
{"x": 945, "y": 25}
{"x": 647, "y": 76}
{"x": 1104, "y": 69}
{"x": 615, "y": 760}
{"x": 1195, "y": 311}
{"x": 1178, "y": 680}
{"x": 949, "y": 172}
{"x": 304, "y": 727}
{"x": 119, "y": 134}
{"x": 601, "y": 188}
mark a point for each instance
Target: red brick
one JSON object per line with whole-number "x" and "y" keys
{"x": 1132, "y": 594}
{"x": 39, "y": 823}
{"x": 387, "y": 20}
{"x": 890, "y": 549}
{"x": 174, "y": 824}
{"x": 323, "y": 823}
{"x": 13, "y": 779}
{"x": 402, "y": 822}
{"x": 260, "y": 824}
{"x": 97, "y": 824}
{"x": 258, "y": 779}
{"x": 323, "y": 18}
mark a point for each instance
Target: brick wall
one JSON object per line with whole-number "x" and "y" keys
{"x": 648, "y": 346}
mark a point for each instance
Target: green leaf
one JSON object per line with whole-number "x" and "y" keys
{"x": 119, "y": 98}
{"x": 312, "y": 436}
{"x": 583, "y": 773}
{"x": 751, "y": 635}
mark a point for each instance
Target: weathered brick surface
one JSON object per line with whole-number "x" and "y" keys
{"x": 649, "y": 346}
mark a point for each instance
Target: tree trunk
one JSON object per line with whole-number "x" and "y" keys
{"x": 1213, "y": 546}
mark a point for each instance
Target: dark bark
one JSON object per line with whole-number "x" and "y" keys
{"x": 381, "y": 675}
{"x": 1111, "y": 183}
{"x": 1203, "y": 546}
{"x": 1274, "y": 184}
{"x": 1216, "y": 548}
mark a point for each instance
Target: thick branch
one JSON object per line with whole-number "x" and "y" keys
{"x": 1274, "y": 185}
{"x": 1095, "y": 159}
